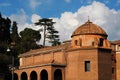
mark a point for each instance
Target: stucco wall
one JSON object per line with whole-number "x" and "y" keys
{"x": 54, "y": 57}
{"x": 76, "y": 68}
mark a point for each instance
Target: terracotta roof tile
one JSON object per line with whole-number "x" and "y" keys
{"x": 115, "y": 42}
{"x": 45, "y": 50}
{"x": 89, "y": 28}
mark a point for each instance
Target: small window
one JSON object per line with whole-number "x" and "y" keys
{"x": 76, "y": 42}
{"x": 113, "y": 69}
{"x": 118, "y": 47}
{"x": 87, "y": 66}
{"x": 101, "y": 42}
{"x": 80, "y": 42}
{"x": 93, "y": 43}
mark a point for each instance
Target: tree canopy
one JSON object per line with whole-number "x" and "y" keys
{"x": 29, "y": 37}
{"x": 49, "y": 31}
{"x": 53, "y": 36}
{"x": 23, "y": 42}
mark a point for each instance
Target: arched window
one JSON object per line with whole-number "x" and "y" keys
{"x": 76, "y": 42}
{"x": 58, "y": 74}
{"x": 101, "y": 42}
{"x": 80, "y": 42}
{"x": 33, "y": 75}
{"x": 15, "y": 76}
{"x": 24, "y": 76}
{"x": 44, "y": 75}
{"x": 93, "y": 43}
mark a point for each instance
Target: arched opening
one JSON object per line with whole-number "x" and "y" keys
{"x": 15, "y": 76}
{"x": 76, "y": 42}
{"x": 24, "y": 76}
{"x": 58, "y": 74}
{"x": 101, "y": 42}
{"x": 44, "y": 75}
{"x": 33, "y": 75}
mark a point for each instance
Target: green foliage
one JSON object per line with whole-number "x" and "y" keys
{"x": 49, "y": 31}
{"x": 4, "y": 61}
{"x": 28, "y": 39}
{"x": 5, "y": 39}
{"x": 5, "y": 29}
{"x": 14, "y": 35}
{"x": 24, "y": 42}
{"x": 30, "y": 35}
{"x": 4, "y": 33}
{"x": 53, "y": 36}
{"x": 45, "y": 23}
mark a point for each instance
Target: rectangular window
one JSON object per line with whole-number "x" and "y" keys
{"x": 118, "y": 47}
{"x": 87, "y": 66}
{"x": 113, "y": 70}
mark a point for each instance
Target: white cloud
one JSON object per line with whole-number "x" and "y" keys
{"x": 34, "y": 3}
{"x": 98, "y": 13}
{"x": 32, "y": 26}
{"x": 35, "y": 18}
{"x": 20, "y": 18}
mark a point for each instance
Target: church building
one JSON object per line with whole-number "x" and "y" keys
{"x": 89, "y": 55}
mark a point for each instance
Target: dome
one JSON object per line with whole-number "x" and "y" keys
{"x": 89, "y": 28}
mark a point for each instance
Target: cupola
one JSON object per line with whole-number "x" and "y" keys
{"x": 89, "y": 34}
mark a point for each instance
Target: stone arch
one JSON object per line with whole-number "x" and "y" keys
{"x": 44, "y": 75}
{"x": 15, "y": 76}
{"x": 33, "y": 75}
{"x": 58, "y": 74}
{"x": 24, "y": 76}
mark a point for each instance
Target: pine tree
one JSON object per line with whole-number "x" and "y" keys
{"x": 49, "y": 31}
{"x": 44, "y": 22}
{"x": 53, "y": 35}
{"x": 14, "y": 35}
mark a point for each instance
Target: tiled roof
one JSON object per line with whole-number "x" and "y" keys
{"x": 115, "y": 42}
{"x": 89, "y": 28}
{"x": 46, "y": 50}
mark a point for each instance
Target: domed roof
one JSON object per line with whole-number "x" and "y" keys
{"x": 89, "y": 28}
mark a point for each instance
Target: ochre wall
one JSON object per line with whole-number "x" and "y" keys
{"x": 117, "y": 66}
{"x": 76, "y": 68}
{"x": 74, "y": 60}
{"x": 37, "y": 70}
{"x": 88, "y": 40}
{"x": 57, "y": 57}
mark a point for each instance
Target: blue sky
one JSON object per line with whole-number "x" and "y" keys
{"x": 68, "y": 14}
{"x": 49, "y": 8}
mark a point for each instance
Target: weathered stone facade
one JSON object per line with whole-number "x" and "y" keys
{"x": 87, "y": 56}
